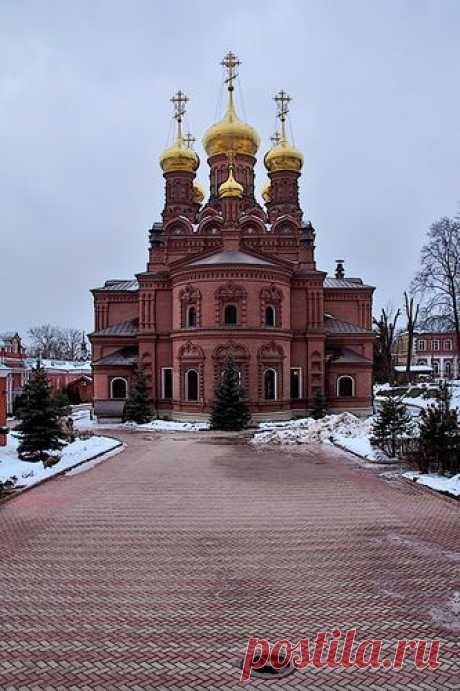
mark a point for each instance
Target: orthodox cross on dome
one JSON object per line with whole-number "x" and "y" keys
{"x": 282, "y": 101}
{"x": 179, "y": 100}
{"x": 230, "y": 62}
{"x": 189, "y": 140}
{"x": 276, "y": 138}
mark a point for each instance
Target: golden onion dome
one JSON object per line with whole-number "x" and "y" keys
{"x": 266, "y": 192}
{"x": 283, "y": 156}
{"x": 198, "y": 193}
{"x": 231, "y": 187}
{"x": 230, "y": 134}
{"x": 179, "y": 157}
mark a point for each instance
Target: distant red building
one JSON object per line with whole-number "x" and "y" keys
{"x": 64, "y": 373}
{"x": 435, "y": 349}
{"x": 228, "y": 274}
{"x": 12, "y": 355}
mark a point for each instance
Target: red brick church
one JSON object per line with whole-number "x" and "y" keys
{"x": 226, "y": 273}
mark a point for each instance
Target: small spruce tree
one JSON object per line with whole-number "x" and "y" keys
{"x": 319, "y": 405}
{"x": 391, "y": 422}
{"x": 439, "y": 435}
{"x": 39, "y": 429}
{"x": 229, "y": 410}
{"x": 138, "y": 406}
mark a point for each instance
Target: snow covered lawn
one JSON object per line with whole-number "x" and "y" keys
{"x": 29, "y": 474}
{"x": 449, "y": 485}
{"x": 345, "y": 430}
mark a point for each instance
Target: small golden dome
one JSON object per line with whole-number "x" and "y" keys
{"x": 179, "y": 157}
{"x": 231, "y": 134}
{"x": 283, "y": 156}
{"x": 266, "y": 192}
{"x": 231, "y": 187}
{"x": 198, "y": 193}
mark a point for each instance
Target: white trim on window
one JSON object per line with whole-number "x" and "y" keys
{"x": 271, "y": 369}
{"x": 299, "y": 370}
{"x": 123, "y": 379}
{"x": 339, "y": 379}
{"x": 187, "y": 372}
{"x": 163, "y": 385}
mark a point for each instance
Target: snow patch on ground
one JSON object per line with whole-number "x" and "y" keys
{"x": 169, "y": 426}
{"x": 450, "y": 485}
{"x": 82, "y": 421}
{"x": 29, "y": 474}
{"x": 345, "y": 429}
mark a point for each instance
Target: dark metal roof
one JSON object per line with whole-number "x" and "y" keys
{"x": 231, "y": 257}
{"x": 120, "y": 284}
{"x": 346, "y": 356}
{"x": 337, "y": 326}
{"x": 127, "y": 328}
{"x": 124, "y": 357}
{"x": 331, "y": 282}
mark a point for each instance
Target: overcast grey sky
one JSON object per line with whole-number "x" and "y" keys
{"x": 85, "y": 113}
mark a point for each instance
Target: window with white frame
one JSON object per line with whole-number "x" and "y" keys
{"x": 345, "y": 386}
{"x": 435, "y": 344}
{"x": 119, "y": 388}
{"x": 435, "y": 366}
{"x": 270, "y": 385}
{"x": 420, "y": 344}
{"x": 191, "y": 385}
{"x": 448, "y": 344}
{"x": 296, "y": 383}
{"x": 166, "y": 383}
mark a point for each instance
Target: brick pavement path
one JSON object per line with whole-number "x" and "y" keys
{"x": 184, "y": 545}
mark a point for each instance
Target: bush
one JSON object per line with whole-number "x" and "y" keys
{"x": 439, "y": 436}
{"x": 391, "y": 423}
{"x": 319, "y": 407}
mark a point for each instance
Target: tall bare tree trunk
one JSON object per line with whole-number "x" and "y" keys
{"x": 412, "y": 317}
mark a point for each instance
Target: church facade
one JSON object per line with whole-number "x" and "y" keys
{"x": 228, "y": 274}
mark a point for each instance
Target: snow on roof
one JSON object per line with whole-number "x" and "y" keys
{"x": 120, "y": 284}
{"x": 68, "y": 365}
{"x": 331, "y": 282}
{"x": 414, "y": 368}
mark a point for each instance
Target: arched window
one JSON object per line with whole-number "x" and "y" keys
{"x": 191, "y": 385}
{"x": 270, "y": 385}
{"x": 435, "y": 366}
{"x": 230, "y": 315}
{"x": 119, "y": 388}
{"x": 270, "y": 316}
{"x": 448, "y": 369}
{"x": 191, "y": 316}
{"x": 345, "y": 386}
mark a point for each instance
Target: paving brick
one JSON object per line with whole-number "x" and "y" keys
{"x": 151, "y": 570}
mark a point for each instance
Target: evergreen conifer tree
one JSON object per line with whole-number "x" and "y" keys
{"x": 391, "y": 423}
{"x": 439, "y": 435}
{"x": 39, "y": 429}
{"x": 138, "y": 406}
{"x": 319, "y": 404}
{"x": 229, "y": 411}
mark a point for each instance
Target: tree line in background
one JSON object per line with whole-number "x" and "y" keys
{"x": 437, "y": 287}
{"x": 56, "y": 343}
